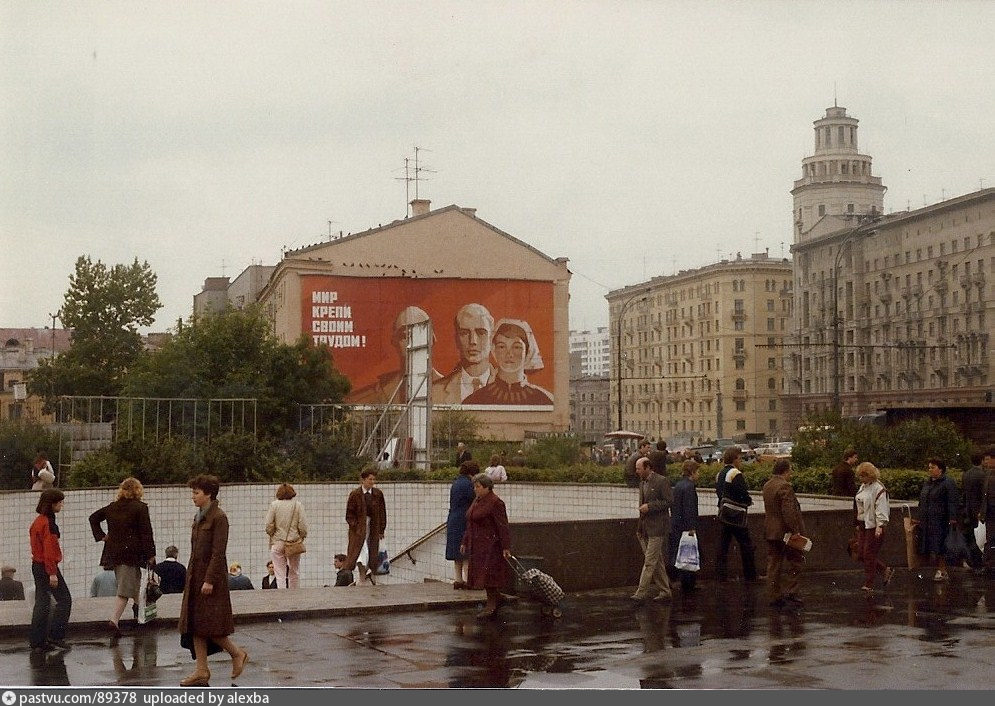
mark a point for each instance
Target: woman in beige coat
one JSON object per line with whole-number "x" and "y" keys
{"x": 285, "y": 523}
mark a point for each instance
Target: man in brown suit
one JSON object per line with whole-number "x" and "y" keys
{"x": 366, "y": 514}
{"x": 655, "y": 499}
{"x": 782, "y": 515}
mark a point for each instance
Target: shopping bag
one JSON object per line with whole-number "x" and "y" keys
{"x": 911, "y": 547}
{"x": 980, "y": 535}
{"x": 147, "y": 610}
{"x": 688, "y": 558}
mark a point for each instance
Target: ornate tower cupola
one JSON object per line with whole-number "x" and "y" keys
{"x": 836, "y": 180}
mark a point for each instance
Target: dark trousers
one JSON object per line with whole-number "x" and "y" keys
{"x": 784, "y": 565}
{"x": 870, "y": 547}
{"x": 977, "y": 558}
{"x": 41, "y": 631}
{"x": 742, "y": 535}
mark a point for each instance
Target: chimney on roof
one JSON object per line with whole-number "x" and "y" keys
{"x": 472, "y": 212}
{"x": 419, "y": 207}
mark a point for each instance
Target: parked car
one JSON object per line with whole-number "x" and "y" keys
{"x": 775, "y": 452}
{"x": 708, "y": 453}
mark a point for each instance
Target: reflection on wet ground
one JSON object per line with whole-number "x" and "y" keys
{"x": 917, "y": 634}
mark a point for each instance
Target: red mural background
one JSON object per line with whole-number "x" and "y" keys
{"x": 355, "y": 316}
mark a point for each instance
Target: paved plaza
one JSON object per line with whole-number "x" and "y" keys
{"x": 915, "y": 635}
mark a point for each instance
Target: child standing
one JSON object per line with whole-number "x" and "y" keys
{"x": 343, "y": 577}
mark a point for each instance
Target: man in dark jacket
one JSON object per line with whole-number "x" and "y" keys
{"x": 730, "y": 484}
{"x": 10, "y": 588}
{"x": 842, "y": 482}
{"x": 172, "y": 574}
{"x": 237, "y": 581}
{"x": 972, "y": 495}
{"x": 782, "y": 515}
{"x": 631, "y": 477}
{"x": 655, "y": 499}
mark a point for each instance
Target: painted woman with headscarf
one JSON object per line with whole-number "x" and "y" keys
{"x": 515, "y": 353}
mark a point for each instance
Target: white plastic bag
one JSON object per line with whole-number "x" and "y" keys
{"x": 980, "y": 535}
{"x": 688, "y": 558}
{"x": 147, "y": 612}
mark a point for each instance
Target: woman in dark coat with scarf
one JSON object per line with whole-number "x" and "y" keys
{"x": 487, "y": 543}
{"x": 939, "y": 505}
{"x": 684, "y": 518}
{"x": 205, "y": 613}
{"x": 460, "y": 498}
{"x": 128, "y": 543}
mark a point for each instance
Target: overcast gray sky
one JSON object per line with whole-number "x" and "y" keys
{"x": 629, "y": 137}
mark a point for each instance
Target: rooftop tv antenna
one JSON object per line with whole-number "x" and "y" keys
{"x": 330, "y": 222}
{"x": 756, "y": 241}
{"x": 413, "y": 173}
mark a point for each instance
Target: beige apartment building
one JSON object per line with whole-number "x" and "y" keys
{"x": 890, "y": 310}
{"x": 700, "y": 351}
{"x": 353, "y": 293}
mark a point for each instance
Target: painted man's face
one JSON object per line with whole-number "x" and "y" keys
{"x": 473, "y": 337}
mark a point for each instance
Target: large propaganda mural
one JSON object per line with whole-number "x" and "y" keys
{"x": 493, "y": 339}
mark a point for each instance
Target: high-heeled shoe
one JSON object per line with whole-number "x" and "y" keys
{"x": 238, "y": 664}
{"x": 197, "y": 679}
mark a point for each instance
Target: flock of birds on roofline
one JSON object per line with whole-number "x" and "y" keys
{"x": 386, "y": 267}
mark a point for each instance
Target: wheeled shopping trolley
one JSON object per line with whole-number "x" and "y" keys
{"x": 542, "y": 586}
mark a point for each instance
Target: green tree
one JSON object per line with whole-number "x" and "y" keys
{"x": 234, "y": 354}
{"x": 104, "y": 306}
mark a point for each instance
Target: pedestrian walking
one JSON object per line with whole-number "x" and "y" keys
{"x": 461, "y": 496}
{"x": 731, "y": 485}
{"x": 939, "y": 508}
{"x": 972, "y": 497}
{"x": 652, "y": 528}
{"x": 286, "y": 524}
{"x": 366, "y": 515}
{"x": 487, "y": 544}
{"x": 873, "y": 513}
{"x": 782, "y": 516}
{"x": 206, "y": 621}
{"x": 684, "y": 518}
{"x": 129, "y": 544}
{"x": 48, "y": 626}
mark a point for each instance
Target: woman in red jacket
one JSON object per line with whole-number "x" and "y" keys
{"x": 487, "y": 543}
{"x": 45, "y": 557}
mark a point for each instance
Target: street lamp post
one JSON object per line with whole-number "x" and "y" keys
{"x": 618, "y": 348}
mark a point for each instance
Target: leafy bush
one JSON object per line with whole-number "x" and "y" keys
{"x": 553, "y": 452}
{"x": 20, "y": 442}
{"x": 99, "y": 468}
{"x": 907, "y": 445}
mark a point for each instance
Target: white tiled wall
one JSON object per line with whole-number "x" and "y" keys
{"x": 413, "y": 509}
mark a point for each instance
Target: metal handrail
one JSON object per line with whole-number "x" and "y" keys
{"x": 420, "y": 541}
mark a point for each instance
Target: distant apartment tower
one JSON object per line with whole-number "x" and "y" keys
{"x": 890, "y": 310}
{"x": 219, "y": 292}
{"x": 590, "y": 408}
{"x": 594, "y": 350}
{"x": 700, "y": 351}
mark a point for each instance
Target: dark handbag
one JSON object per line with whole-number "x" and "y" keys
{"x": 955, "y": 547}
{"x": 732, "y": 514}
{"x": 152, "y": 591}
{"x": 853, "y": 546}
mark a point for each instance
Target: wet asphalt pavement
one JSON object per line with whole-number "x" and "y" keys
{"x": 914, "y": 635}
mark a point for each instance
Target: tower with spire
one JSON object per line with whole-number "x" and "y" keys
{"x": 836, "y": 180}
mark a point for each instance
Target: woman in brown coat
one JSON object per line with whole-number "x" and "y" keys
{"x": 366, "y": 514}
{"x": 128, "y": 543}
{"x": 487, "y": 543}
{"x": 205, "y": 614}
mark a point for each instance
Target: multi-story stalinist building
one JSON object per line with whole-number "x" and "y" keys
{"x": 697, "y": 356}
{"x": 890, "y": 310}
